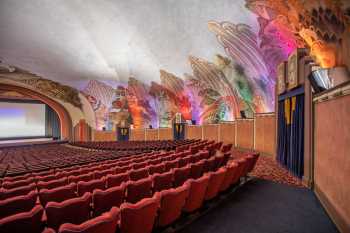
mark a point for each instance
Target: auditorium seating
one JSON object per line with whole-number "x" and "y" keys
{"x": 181, "y": 175}
{"x": 103, "y": 199}
{"x": 101, "y": 185}
{"x": 106, "y": 223}
{"x": 215, "y": 181}
{"x": 23, "y": 222}
{"x": 197, "y": 191}
{"x": 17, "y": 204}
{"x": 163, "y": 181}
{"x": 139, "y": 217}
{"x": 172, "y": 202}
{"x": 137, "y": 190}
{"x": 75, "y": 210}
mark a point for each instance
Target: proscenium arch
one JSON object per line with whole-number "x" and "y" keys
{"x": 65, "y": 119}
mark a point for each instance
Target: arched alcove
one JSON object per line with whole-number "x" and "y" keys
{"x": 64, "y": 117}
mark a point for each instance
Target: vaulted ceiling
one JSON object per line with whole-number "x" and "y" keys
{"x": 74, "y": 41}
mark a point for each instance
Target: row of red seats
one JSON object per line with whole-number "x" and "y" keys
{"x": 15, "y": 161}
{"x": 135, "y": 145}
{"x": 162, "y": 209}
{"x": 56, "y": 170}
{"x": 162, "y": 177}
{"x": 113, "y": 167}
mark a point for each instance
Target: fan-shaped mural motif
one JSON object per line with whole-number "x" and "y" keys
{"x": 232, "y": 72}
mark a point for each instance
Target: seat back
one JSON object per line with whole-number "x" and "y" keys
{"x": 197, "y": 169}
{"x": 103, "y": 200}
{"x": 106, "y": 223}
{"x": 116, "y": 180}
{"x": 162, "y": 181}
{"x": 137, "y": 190}
{"x": 181, "y": 175}
{"x": 196, "y": 195}
{"x": 184, "y": 161}
{"x": 232, "y": 169}
{"x": 57, "y": 194}
{"x": 76, "y": 179}
{"x": 138, "y": 174}
{"x": 16, "y": 184}
{"x": 171, "y": 203}
{"x": 171, "y": 164}
{"x": 139, "y": 217}
{"x": 52, "y": 183}
{"x": 100, "y": 174}
{"x": 19, "y": 191}
{"x": 159, "y": 168}
{"x": 23, "y": 222}
{"x": 17, "y": 204}
{"x": 215, "y": 182}
{"x": 75, "y": 210}
{"x": 90, "y": 186}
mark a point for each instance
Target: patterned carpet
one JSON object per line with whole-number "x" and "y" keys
{"x": 267, "y": 168}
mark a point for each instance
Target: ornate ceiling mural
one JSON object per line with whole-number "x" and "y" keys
{"x": 141, "y": 62}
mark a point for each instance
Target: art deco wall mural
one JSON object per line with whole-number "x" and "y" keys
{"x": 236, "y": 74}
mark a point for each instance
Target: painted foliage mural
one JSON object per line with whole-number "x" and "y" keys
{"x": 241, "y": 80}
{"x": 238, "y": 77}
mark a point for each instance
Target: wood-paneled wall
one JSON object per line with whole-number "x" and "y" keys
{"x": 151, "y": 134}
{"x": 104, "y": 136}
{"x": 258, "y": 133}
{"x": 245, "y": 133}
{"x": 332, "y": 157}
{"x": 265, "y": 135}
{"x": 211, "y": 132}
{"x": 194, "y": 132}
{"x": 228, "y": 133}
{"x": 166, "y": 134}
{"x": 137, "y": 135}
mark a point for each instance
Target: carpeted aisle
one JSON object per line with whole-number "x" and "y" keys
{"x": 262, "y": 206}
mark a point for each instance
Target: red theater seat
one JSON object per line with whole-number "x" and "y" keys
{"x": 116, "y": 180}
{"x": 100, "y": 174}
{"x": 138, "y": 174}
{"x": 197, "y": 169}
{"x": 90, "y": 186}
{"x": 232, "y": 169}
{"x": 171, "y": 203}
{"x": 181, "y": 175}
{"x": 219, "y": 160}
{"x": 57, "y": 194}
{"x": 76, "y": 179}
{"x": 16, "y": 184}
{"x": 159, "y": 168}
{"x": 184, "y": 161}
{"x": 17, "y": 204}
{"x": 139, "y": 217}
{"x": 122, "y": 169}
{"x": 106, "y": 223}
{"x": 136, "y": 190}
{"x": 75, "y": 210}
{"x": 52, "y": 184}
{"x": 103, "y": 200}
{"x": 23, "y": 222}
{"x": 171, "y": 164}
{"x": 215, "y": 181}
{"x": 196, "y": 195}
{"x": 140, "y": 165}
{"x": 163, "y": 181}
{"x": 23, "y": 190}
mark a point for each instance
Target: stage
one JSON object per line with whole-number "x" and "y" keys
{"x": 29, "y": 142}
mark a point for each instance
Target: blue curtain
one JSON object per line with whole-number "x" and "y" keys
{"x": 179, "y": 131}
{"x": 53, "y": 126}
{"x": 123, "y": 134}
{"x": 290, "y": 147}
